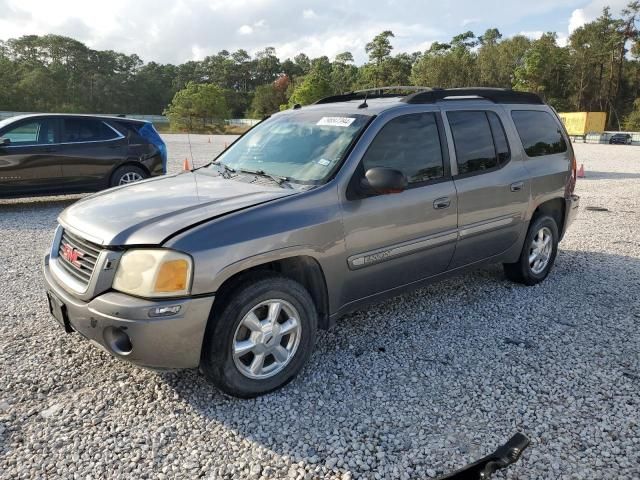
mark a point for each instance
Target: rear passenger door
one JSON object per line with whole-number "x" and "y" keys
{"x": 396, "y": 239}
{"x": 92, "y": 148}
{"x": 491, "y": 181}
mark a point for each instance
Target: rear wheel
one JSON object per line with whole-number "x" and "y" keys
{"x": 260, "y": 336}
{"x": 127, "y": 174}
{"x": 538, "y": 253}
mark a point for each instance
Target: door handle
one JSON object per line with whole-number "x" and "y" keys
{"x": 440, "y": 203}
{"x": 517, "y": 186}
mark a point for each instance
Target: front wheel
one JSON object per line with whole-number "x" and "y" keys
{"x": 260, "y": 336}
{"x": 538, "y": 253}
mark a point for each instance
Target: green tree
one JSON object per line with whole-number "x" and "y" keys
{"x": 544, "y": 70}
{"x": 632, "y": 121}
{"x": 197, "y": 106}
{"x": 448, "y": 65}
{"x": 315, "y": 85}
{"x": 268, "y": 98}
{"x": 379, "y": 50}
{"x": 497, "y": 60}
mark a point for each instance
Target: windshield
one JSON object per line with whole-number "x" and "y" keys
{"x": 304, "y": 147}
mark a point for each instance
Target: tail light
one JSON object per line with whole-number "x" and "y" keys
{"x": 149, "y": 132}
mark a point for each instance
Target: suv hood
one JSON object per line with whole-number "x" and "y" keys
{"x": 147, "y": 213}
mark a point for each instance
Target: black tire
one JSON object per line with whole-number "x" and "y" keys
{"x": 522, "y": 271}
{"x": 125, "y": 170}
{"x": 217, "y": 361}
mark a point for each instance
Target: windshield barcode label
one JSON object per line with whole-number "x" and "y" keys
{"x": 336, "y": 121}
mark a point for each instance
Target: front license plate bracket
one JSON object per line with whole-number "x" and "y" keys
{"x": 58, "y": 309}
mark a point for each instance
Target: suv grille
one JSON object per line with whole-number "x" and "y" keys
{"x": 78, "y": 256}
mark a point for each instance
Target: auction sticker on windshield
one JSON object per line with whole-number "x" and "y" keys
{"x": 336, "y": 121}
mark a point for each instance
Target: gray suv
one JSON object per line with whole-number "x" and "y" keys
{"x": 316, "y": 211}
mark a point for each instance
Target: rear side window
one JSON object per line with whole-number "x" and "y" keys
{"x": 86, "y": 130}
{"x": 539, "y": 132}
{"x": 410, "y": 144}
{"x": 479, "y": 139}
{"x": 499, "y": 138}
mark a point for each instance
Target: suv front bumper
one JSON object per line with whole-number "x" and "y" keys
{"x": 121, "y": 325}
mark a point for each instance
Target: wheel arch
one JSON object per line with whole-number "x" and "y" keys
{"x": 128, "y": 162}
{"x": 555, "y": 208}
{"x": 304, "y": 269}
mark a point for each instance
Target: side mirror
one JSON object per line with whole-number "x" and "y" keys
{"x": 4, "y": 142}
{"x": 382, "y": 181}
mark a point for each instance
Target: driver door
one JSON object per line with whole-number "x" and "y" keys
{"x": 29, "y": 161}
{"x": 394, "y": 240}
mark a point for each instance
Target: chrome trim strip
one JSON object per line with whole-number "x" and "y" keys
{"x": 119, "y": 137}
{"x": 383, "y": 254}
{"x": 485, "y": 226}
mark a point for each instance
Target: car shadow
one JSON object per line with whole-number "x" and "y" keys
{"x": 448, "y": 371}
{"x": 595, "y": 175}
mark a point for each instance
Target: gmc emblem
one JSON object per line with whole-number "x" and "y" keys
{"x": 72, "y": 255}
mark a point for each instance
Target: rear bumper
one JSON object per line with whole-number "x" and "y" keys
{"x": 163, "y": 343}
{"x": 570, "y": 212}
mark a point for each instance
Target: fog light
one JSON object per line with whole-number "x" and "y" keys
{"x": 165, "y": 311}
{"x": 117, "y": 340}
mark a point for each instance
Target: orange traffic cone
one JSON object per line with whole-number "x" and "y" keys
{"x": 581, "y": 171}
{"x": 185, "y": 165}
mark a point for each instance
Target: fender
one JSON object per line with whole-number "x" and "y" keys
{"x": 266, "y": 257}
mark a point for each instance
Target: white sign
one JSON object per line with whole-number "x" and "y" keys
{"x": 336, "y": 121}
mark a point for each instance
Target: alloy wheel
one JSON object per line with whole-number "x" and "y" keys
{"x": 540, "y": 250}
{"x": 130, "y": 177}
{"x": 266, "y": 339}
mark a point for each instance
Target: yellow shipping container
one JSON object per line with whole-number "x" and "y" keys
{"x": 581, "y": 123}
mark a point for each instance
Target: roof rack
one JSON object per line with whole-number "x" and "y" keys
{"x": 495, "y": 95}
{"x": 431, "y": 95}
{"x": 379, "y": 92}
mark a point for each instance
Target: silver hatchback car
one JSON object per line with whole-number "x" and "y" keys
{"x": 316, "y": 211}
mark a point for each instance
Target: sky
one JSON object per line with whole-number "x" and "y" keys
{"x": 180, "y": 30}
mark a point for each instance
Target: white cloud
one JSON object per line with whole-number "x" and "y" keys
{"x": 577, "y": 19}
{"x": 469, "y": 21}
{"x": 180, "y": 30}
{"x": 533, "y": 35}
{"x": 308, "y": 13}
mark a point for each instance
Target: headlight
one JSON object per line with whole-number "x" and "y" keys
{"x": 154, "y": 273}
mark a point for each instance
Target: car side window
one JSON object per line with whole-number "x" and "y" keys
{"x": 86, "y": 130}
{"x": 499, "y": 138}
{"x": 539, "y": 132}
{"x": 410, "y": 144}
{"x": 474, "y": 142}
{"x": 39, "y": 132}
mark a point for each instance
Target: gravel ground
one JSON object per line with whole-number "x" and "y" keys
{"x": 409, "y": 388}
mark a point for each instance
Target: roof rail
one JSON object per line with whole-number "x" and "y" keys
{"x": 431, "y": 95}
{"x": 379, "y": 92}
{"x": 496, "y": 95}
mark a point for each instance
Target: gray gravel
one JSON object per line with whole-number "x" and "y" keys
{"x": 409, "y": 388}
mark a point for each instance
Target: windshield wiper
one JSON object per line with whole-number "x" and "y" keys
{"x": 282, "y": 181}
{"x": 227, "y": 169}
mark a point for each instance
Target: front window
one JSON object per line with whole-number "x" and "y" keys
{"x": 37, "y": 132}
{"x": 305, "y": 147}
